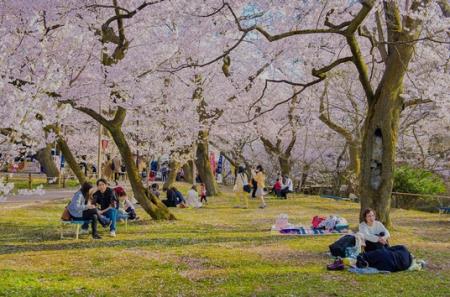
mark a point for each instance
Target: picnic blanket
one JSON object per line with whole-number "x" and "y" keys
{"x": 306, "y": 231}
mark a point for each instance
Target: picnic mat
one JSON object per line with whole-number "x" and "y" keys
{"x": 306, "y": 231}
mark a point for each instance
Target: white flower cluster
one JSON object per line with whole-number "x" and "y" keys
{"x": 5, "y": 189}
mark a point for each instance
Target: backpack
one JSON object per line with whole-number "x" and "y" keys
{"x": 316, "y": 221}
{"x": 338, "y": 248}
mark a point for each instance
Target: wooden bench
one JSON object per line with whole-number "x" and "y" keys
{"x": 79, "y": 223}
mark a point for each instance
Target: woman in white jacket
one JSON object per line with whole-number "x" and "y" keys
{"x": 239, "y": 184}
{"x": 372, "y": 232}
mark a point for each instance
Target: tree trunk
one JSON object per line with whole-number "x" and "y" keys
{"x": 285, "y": 165}
{"x": 380, "y": 134}
{"x": 188, "y": 172}
{"x": 151, "y": 204}
{"x": 44, "y": 156}
{"x": 64, "y": 148}
{"x": 204, "y": 166}
{"x": 174, "y": 167}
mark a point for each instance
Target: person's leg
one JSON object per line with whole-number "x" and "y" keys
{"x": 372, "y": 246}
{"x": 131, "y": 213}
{"x": 112, "y": 215}
{"x": 254, "y": 189}
{"x": 91, "y": 214}
{"x": 245, "y": 198}
{"x": 237, "y": 199}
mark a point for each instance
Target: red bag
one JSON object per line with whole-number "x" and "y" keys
{"x": 317, "y": 220}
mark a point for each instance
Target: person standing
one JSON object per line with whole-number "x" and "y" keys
{"x": 260, "y": 185}
{"x": 116, "y": 167}
{"x": 107, "y": 200}
{"x": 239, "y": 184}
{"x": 253, "y": 183}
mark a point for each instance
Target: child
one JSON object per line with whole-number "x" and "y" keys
{"x": 125, "y": 205}
{"x": 203, "y": 193}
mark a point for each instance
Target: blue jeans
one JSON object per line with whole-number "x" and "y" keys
{"x": 112, "y": 215}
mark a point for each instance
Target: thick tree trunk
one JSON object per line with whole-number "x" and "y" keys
{"x": 174, "y": 167}
{"x": 354, "y": 168}
{"x": 204, "y": 166}
{"x": 380, "y": 134}
{"x": 70, "y": 159}
{"x": 151, "y": 204}
{"x": 188, "y": 172}
{"x": 285, "y": 165}
{"x": 44, "y": 156}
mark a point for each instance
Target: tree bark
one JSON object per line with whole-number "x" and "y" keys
{"x": 151, "y": 204}
{"x": 285, "y": 165}
{"x": 188, "y": 174}
{"x": 44, "y": 156}
{"x": 204, "y": 166}
{"x": 381, "y": 130}
{"x": 174, "y": 168}
{"x": 71, "y": 161}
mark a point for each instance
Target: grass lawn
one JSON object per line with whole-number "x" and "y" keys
{"x": 215, "y": 251}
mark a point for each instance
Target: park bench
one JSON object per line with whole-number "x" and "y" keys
{"x": 79, "y": 223}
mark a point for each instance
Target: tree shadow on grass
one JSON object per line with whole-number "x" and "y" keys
{"x": 185, "y": 239}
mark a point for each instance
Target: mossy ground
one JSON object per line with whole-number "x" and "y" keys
{"x": 215, "y": 251}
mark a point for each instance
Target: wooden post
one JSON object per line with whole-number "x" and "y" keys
{"x": 30, "y": 182}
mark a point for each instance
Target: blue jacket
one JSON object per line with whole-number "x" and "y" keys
{"x": 77, "y": 205}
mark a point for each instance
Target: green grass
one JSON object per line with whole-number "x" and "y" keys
{"x": 215, "y": 251}
{"x": 22, "y": 183}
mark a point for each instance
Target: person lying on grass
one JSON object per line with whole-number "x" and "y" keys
{"x": 372, "y": 233}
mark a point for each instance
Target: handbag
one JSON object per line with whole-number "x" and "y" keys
{"x": 247, "y": 188}
{"x": 66, "y": 214}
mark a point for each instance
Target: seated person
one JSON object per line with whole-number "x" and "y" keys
{"x": 192, "y": 199}
{"x": 287, "y": 188}
{"x": 154, "y": 189}
{"x": 126, "y": 208}
{"x": 179, "y": 196}
{"x": 80, "y": 209}
{"x": 107, "y": 200}
{"x": 171, "y": 200}
{"x": 372, "y": 232}
{"x": 277, "y": 188}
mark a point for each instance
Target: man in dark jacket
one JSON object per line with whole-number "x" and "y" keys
{"x": 107, "y": 200}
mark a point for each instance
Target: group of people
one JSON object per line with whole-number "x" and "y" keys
{"x": 174, "y": 198}
{"x": 283, "y": 186}
{"x": 256, "y": 185}
{"x": 100, "y": 205}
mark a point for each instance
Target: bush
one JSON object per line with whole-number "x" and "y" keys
{"x": 417, "y": 181}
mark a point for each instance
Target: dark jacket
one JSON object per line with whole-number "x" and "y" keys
{"x": 106, "y": 199}
{"x": 396, "y": 258}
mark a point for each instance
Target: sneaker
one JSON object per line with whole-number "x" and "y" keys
{"x": 112, "y": 233}
{"x": 84, "y": 231}
{"x": 338, "y": 264}
{"x": 262, "y": 206}
{"x": 96, "y": 236}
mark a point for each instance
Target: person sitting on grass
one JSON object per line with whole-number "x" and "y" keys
{"x": 180, "y": 199}
{"x": 126, "y": 208}
{"x": 80, "y": 210}
{"x": 171, "y": 200}
{"x": 154, "y": 189}
{"x": 277, "y": 188}
{"x": 105, "y": 197}
{"x": 288, "y": 187}
{"x": 372, "y": 232}
{"x": 192, "y": 199}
